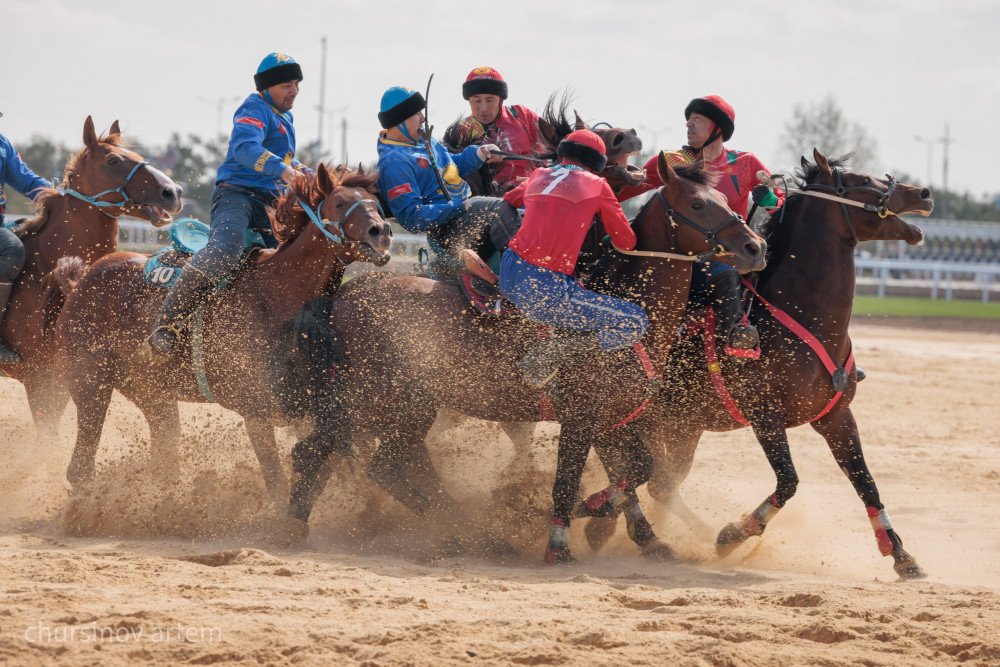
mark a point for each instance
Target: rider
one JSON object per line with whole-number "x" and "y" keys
{"x": 513, "y": 128}
{"x": 561, "y": 203}
{"x": 31, "y": 185}
{"x": 710, "y": 122}
{"x": 436, "y": 203}
{"x": 260, "y": 161}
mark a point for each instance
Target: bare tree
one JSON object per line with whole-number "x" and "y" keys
{"x": 823, "y": 126}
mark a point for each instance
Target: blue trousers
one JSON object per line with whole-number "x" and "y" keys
{"x": 555, "y": 299}
{"x": 11, "y": 256}
{"x": 699, "y": 295}
{"x": 234, "y": 210}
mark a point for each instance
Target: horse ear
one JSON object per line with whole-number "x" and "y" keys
{"x": 323, "y": 178}
{"x": 664, "y": 169}
{"x": 805, "y": 162}
{"x": 114, "y": 128}
{"x": 361, "y": 169}
{"x": 89, "y": 135}
{"x": 822, "y": 162}
{"x": 579, "y": 124}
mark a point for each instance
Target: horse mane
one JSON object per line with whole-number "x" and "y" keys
{"x": 49, "y": 197}
{"x": 773, "y": 230}
{"x": 288, "y": 218}
{"x": 555, "y": 113}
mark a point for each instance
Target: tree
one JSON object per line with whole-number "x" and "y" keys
{"x": 823, "y": 126}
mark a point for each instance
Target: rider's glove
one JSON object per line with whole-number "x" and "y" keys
{"x": 762, "y": 196}
{"x": 485, "y": 153}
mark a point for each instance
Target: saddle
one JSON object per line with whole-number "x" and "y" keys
{"x": 187, "y": 236}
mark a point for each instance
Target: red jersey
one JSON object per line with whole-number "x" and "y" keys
{"x": 559, "y": 207}
{"x": 737, "y": 178}
{"x": 516, "y": 131}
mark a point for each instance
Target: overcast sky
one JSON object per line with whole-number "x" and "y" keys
{"x": 899, "y": 68}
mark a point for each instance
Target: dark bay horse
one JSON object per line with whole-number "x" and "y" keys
{"x": 413, "y": 345}
{"x": 102, "y": 182}
{"x": 323, "y": 222}
{"x": 810, "y": 276}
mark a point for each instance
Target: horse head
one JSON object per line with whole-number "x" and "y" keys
{"x": 117, "y": 180}
{"x": 344, "y": 206}
{"x": 881, "y": 202}
{"x": 699, "y": 220}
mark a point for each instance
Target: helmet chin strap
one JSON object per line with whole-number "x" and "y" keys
{"x": 716, "y": 133}
{"x": 406, "y": 133}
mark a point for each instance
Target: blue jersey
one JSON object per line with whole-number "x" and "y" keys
{"x": 14, "y": 171}
{"x": 261, "y": 146}
{"x": 407, "y": 181}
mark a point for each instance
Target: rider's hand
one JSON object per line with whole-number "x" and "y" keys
{"x": 288, "y": 175}
{"x": 486, "y": 155}
{"x": 760, "y": 192}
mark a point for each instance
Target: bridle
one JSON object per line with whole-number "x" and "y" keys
{"x": 337, "y": 236}
{"x": 672, "y": 217}
{"x": 93, "y": 199}
{"x": 881, "y": 207}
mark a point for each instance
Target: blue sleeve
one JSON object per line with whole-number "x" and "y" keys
{"x": 407, "y": 206}
{"x": 247, "y": 141}
{"x": 468, "y": 160}
{"x": 22, "y": 179}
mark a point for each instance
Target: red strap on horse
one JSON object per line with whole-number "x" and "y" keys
{"x": 714, "y": 368}
{"x": 647, "y": 365}
{"x": 809, "y": 340}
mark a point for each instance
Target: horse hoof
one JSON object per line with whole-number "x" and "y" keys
{"x": 659, "y": 551}
{"x": 558, "y": 556}
{"x": 729, "y": 539}
{"x": 908, "y": 570}
{"x": 598, "y": 531}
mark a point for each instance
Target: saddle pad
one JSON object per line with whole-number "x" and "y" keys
{"x": 485, "y": 298}
{"x": 191, "y": 235}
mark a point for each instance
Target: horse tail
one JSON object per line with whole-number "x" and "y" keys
{"x": 58, "y": 284}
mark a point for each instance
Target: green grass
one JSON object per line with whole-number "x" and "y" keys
{"x": 913, "y": 307}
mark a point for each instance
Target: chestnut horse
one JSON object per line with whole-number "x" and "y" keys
{"x": 413, "y": 345}
{"x": 102, "y": 182}
{"x": 810, "y": 278}
{"x": 322, "y": 222}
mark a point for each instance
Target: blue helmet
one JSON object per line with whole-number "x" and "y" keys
{"x": 276, "y": 68}
{"x": 398, "y": 104}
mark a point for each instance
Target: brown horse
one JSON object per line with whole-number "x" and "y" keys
{"x": 809, "y": 277}
{"x": 111, "y": 309}
{"x": 108, "y": 181}
{"x": 412, "y": 345}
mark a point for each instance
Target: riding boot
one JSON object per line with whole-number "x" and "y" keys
{"x": 861, "y": 374}
{"x": 7, "y": 355}
{"x": 188, "y": 294}
{"x": 543, "y": 361}
{"x": 729, "y": 311}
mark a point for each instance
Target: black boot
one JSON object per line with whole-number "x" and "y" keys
{"x": 187, "y": 295}
{"x": 861, "y": 374}
{"x": 543, "y": 361}
{"x": 729, "y": 311}
{"x": 7, "y": 355}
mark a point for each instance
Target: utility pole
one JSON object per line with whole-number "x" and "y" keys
{"x": 322, "y": 87}
{"x": 930, "y": 154}
{"x": 220, "y": 105}
{"x": 343, "y": 141}
{"x": 944, "y": 170}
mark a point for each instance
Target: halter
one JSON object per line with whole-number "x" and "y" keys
{"x": 881, "y": 206}
{"x": 672, "y": 216}
{"x": 93, "y": 199}
{"x": 338, "y": 225}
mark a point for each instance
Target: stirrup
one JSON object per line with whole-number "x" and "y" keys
{"x": 157, "y": 346}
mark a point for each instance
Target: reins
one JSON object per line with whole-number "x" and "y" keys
{"x": 93, "y": 199}
{"x": 836, "y": 193}
{"x": 338, "y": 225}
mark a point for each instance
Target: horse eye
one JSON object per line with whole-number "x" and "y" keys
{"x": 112, "y": 160}
{"x": 698, "y": 205}
{"x": 340, "y": 204}
{"x": 867, "y": 181}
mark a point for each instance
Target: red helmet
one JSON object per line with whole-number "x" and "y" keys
{"x": 716, "y": 110}
{"x": 585, "y": 147}
{"x": 484, "y": 81}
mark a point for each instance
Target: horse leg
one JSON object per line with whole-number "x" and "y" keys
{"x": 672, "y": 448}
{"x": 841, "y": 433}
{"x": 47, "y": 399}
{"x": 522, "y": 435}
{"x": 261, "y": 433}
{"x": 164, "y": 419}
{"x": 629, "y": 464}
{"x": 309, "y": 461}
{"x": 90, "y": 386}
{"x": 574, "y": 444}
{"x": 770, "y": 432}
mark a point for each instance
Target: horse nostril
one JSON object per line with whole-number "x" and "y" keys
{"x": 925, "y": 194}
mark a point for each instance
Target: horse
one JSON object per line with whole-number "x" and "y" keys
{"x": 323, "y": 222}
{"x": 72, "y": 222}
{"x": 412, "y": 345}
{"x": 806, "y": 374}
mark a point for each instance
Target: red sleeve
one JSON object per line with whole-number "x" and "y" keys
{"x": 615, "y": 222}
{"x": 515, "y": 197}
{"x": 651, "y": 182}
{"x": 755, "y": 166}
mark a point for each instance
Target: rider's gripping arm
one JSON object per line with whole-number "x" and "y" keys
{"x": 397, "y": 181}
{"x": 515, "y": 197}
{"x": 775, "y": 197}
{"x": 15, "y": 172}
{"x": 247, "y": 141}
{"x": 615, "y": 222}
{"x": 651, "y": 182}
{"x": 467, "y": 161}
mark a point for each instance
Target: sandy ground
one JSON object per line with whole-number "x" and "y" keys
{"x": 138, "y": 569}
